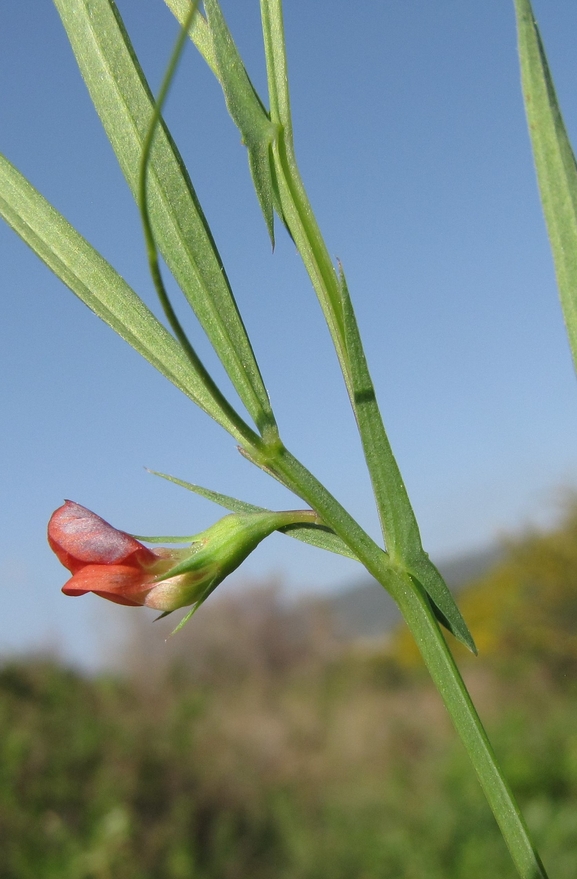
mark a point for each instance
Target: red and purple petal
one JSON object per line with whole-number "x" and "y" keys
{"x": 80, "y": 537}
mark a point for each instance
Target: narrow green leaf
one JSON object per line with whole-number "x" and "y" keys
{"x": 554, "y": 162}
{"x": 124, "y": 103}
{"x": 397, "y": 517}
{"x": 398, "y": 521}
{"x": 247, "y": 112}
{"x": 152, "y": 249}
{"x": 316, "y": 535}
{"x": 98, "y": 285}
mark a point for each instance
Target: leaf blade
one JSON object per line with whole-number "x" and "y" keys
{"x": 124, "y": 102}
{"x": 554, "y": 162}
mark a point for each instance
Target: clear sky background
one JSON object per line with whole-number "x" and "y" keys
{"x": 412, "y": 141}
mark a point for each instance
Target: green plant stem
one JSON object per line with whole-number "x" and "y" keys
{"x": 416, "y": 608}
{"x": 425, "y": 629}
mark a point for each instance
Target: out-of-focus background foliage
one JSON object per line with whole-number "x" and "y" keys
{"x": 267, "y": 739}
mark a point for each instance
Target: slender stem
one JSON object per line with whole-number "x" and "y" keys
{"x": 416, "y": 609}
{"x": 295, "y": 476}
{"x": 447, "y": 678}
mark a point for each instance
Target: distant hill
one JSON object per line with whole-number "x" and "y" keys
{"x": 366, "y": 610}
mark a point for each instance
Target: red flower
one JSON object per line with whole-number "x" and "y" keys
{"x": 118, "y": 567}
{"x": 111, "y": 563}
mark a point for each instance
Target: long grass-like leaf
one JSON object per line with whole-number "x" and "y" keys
{"x": 220, "y": 400}
{"x": 94, "y": 281}
{"x": 554, "y": 162}
{"x": 121, "y": 95}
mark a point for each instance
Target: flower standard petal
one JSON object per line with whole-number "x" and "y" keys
{"x": 79, "y": 537}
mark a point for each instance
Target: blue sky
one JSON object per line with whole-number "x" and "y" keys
{"x": 412, "y": 141}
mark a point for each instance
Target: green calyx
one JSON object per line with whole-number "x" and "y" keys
{"x": 218, "y": 551}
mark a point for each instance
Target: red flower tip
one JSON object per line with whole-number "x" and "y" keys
{"x": 80, "y": 537}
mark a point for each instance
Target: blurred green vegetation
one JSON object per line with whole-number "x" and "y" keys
{"x": 256, "y": 744}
